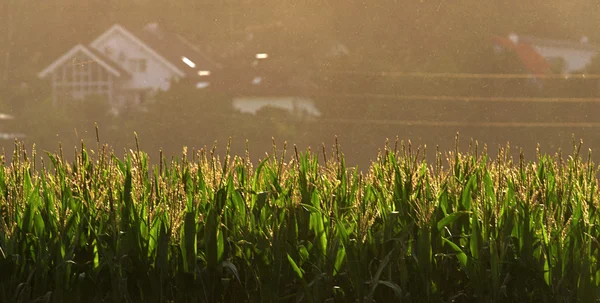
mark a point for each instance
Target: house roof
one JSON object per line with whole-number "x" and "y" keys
{"x": 175, "y": 48}
{"x": 172, "y": 49}
{"x": 119, "y": 29}
{"x": 532, "y": 60}
{"x": 92, "y": 54}
{"x": 559, "y": 43}
{"x": 110, "y": 62}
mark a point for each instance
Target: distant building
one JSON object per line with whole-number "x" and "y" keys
{"x": 262, "y": 73}
{"x": 124, "y": 65}
{"x": 566, "y": 56}
{"x": 541, "y": 55}
{"x": 256, "y": 86}
{"x": 127, "y": 65}
{"x": 531, "y": 59}
{"x": 297, "y": 106}
{"x": 260, "y": 62}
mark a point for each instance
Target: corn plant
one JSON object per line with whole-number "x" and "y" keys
{"x": 298, "y": 227}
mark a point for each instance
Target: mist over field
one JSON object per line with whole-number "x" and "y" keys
{"x": 189, "y": 73}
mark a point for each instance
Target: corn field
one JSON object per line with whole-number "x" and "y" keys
{"x": 298, "y": 227}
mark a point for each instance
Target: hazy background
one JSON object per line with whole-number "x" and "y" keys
{"x": 358, "y": 104}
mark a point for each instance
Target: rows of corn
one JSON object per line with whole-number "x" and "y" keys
{"x": 298, "y": 227}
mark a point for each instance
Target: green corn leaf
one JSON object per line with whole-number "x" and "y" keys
{"x": 233, "y": 269}
{"x": 220, "y": 246}
{"x": 474, "y": 238}
{"x": 466, "y": 195}
{"x": 393, "y": 286}
{"x": 339, "y": 259}
{"x": 460, "y": 255}
{"x": 450, "y": 218}
{"x": 154, "y": 236}
{"x": 210, "y": 238}
{"x": 39, "y": 225}
{"x": 240, "y": 205}
{"x": 295, "y": 267}
{"x": 489, "y": 188}
{"x": 376, "y": 278}
{"x": 316, "y": 223}
{"x": 189, "y": 245}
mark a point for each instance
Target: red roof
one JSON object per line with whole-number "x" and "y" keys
{"x": 534, "y": 62}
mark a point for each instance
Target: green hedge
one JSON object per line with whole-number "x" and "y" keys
{"x": 298, "y": 227}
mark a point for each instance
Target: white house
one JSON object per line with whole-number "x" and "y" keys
{"x": 300, "y": 107}
{"x": 571, "y": 56}
{"x": 124, "y": 65}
